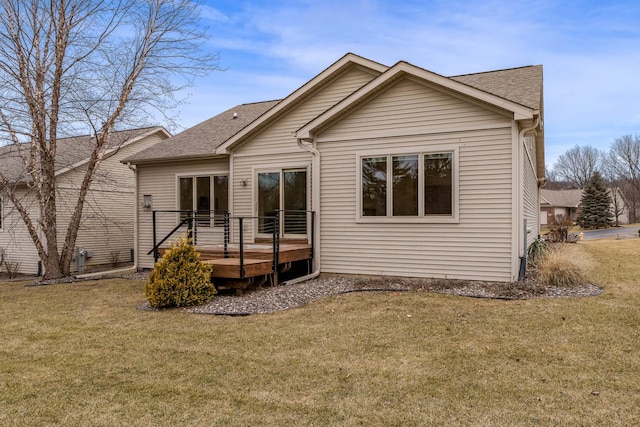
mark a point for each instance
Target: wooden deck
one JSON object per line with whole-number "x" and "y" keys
{"x": 257, "y": 261}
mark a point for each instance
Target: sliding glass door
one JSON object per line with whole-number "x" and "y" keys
{"x": 283, "y": 190}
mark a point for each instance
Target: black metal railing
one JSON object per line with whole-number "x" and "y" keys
{"x": 215, "y": 227}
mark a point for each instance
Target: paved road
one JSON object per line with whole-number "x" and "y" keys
{"x": 611, "y": 232}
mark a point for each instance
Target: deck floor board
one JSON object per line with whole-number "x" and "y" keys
{"x": 257, "y": 258}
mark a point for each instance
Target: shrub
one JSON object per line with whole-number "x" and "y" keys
{"x": 555, "y": 268}
{"x": 180, "y": 278}
{"x": 559, "y": 229}
{"x": 536, "y": 251}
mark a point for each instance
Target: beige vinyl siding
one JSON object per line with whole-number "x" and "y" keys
{"x": 160, "y": 181}
{"x": 113, "y": 175}
{"x": 410, "y": 108}
{"x": 276, "y": 147}
{"x": 478, "y": 247}
{"x": 279, "y": 136}
{"x": 530, "y": 189}
{"x": 107, "y": 221}
{"x": 106, "y": 228}
{"x": 14, "y": 237}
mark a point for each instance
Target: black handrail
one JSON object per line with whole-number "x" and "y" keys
{"x": 188, "y": 220}
{"x": 191, "y": 220}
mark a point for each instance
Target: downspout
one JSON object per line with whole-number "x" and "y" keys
{"x": 135, "y": 215}
{"x": 523, "y": 259}
{"x": 315, "y": 205}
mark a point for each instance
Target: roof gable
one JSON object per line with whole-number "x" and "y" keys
{"x": 402, "y": 70}
{"x": 202, "y": 139}
{"x": 333, "y": 71}
{"x": 561, "y": 198}
{"x": 71, "y": 152}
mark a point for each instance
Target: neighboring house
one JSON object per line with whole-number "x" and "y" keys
{"x": 409, "y": 173}
{"x": 106, "y": 230}
{"x": 555, "y": 205}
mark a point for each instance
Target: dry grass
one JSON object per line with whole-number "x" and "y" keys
{"x": 81, "y": 354}
{"x": 559, "y": 267}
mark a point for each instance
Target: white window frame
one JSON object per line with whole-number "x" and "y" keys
{"x": 211, "y": 177}
{"x": 422, "y": 218}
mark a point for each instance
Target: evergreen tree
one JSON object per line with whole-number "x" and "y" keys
{"x": 596, "y": 204}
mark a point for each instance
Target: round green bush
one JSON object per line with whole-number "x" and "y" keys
{"x": 180, "y": 278}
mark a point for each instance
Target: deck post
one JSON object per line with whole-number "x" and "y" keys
{"x": 226, "y": 234}
{"x": 241, "y": 243}
{"x": 276, "y": 245}
{"x": 190, "y": 226}
{"x": 155, "y": 243}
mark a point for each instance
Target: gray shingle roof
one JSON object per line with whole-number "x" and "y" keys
{"x": 69, "y": 151}
{"x": 520, "y": 85}
{"x": 560, "y": 198}
{"x": 202, "y": 139}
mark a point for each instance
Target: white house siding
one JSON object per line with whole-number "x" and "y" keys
{"x": 14, "y": 237}
{"x": 531, "y": 208}
{"x": 276, "y": 146}
{"x": 160, "y": 181}
{"x": 478, "y": 247}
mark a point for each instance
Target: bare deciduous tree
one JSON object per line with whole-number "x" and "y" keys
{"x": 90, "y": 65}
{"x": 624, "y": 165}
{"x": 578, "y": 165}
{"x": 554, "y": 182}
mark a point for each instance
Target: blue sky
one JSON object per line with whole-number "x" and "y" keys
{"x": 590, "y": 51}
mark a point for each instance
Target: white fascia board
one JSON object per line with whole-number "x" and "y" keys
{"x": 519, "y": 112}
{"x": 342, "y": 63}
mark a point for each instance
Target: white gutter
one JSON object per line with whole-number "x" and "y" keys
{"x": 315, "y": 205}
{"x": 135, "y": 215}
{"x": 523, "y": 132}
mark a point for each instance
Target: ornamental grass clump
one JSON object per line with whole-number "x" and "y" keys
{"x": 180, "y": 279}
{"x": 556, "y": 268}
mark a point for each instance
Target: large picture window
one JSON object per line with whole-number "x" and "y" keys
{"x": 407, "y": 185}
{"x": 196, "y": 194}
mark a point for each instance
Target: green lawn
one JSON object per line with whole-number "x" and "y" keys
{"x": 82, "y": 354}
